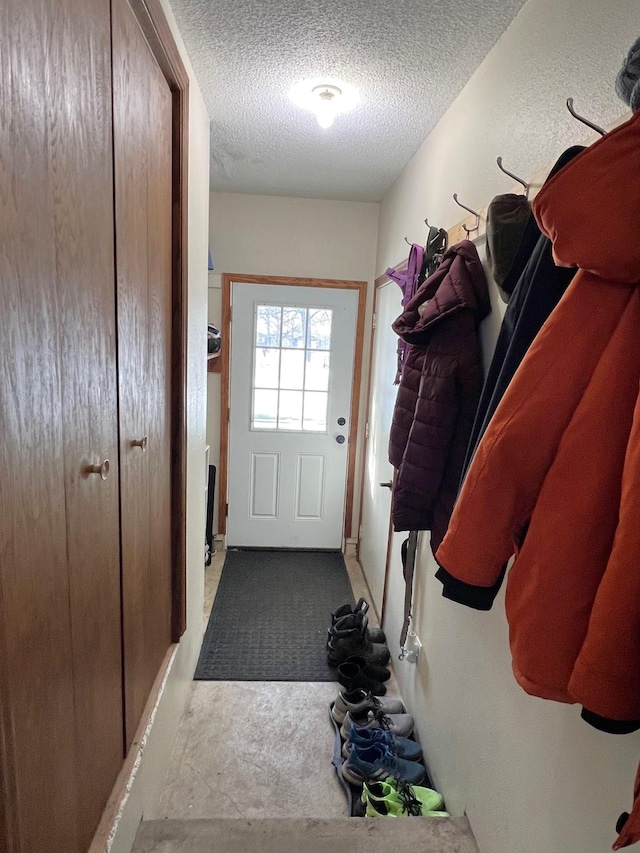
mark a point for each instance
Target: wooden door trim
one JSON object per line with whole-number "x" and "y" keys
{"x": 9, "y": 822}
{"x": 103, "y": 836}
{"x": 156, "y": 29}
{"x": 380, "y": 282}
{"x": 225, "y": 359}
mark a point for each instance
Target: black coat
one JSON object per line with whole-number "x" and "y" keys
{"x": 540, "y": 287}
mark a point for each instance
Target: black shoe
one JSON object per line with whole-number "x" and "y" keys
{"x": 353, "y": 676}
{"x": 374, "y": 635}
{"x": 348, "y": 637}
{"x": 378, "y": 673}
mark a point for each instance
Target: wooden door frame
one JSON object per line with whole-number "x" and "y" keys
{"x": 153, "y": 22}
{"x": 380, "y": 282}
{"x": 228, "y": 279}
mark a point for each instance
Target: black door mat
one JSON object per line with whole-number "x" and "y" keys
{"x": 355, "y": 806}
{"x": 271, "y": 614}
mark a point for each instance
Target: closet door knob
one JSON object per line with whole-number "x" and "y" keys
{"x": 140, "y": 442}
{"x": 102, "y": 469}
{"x": 388, "y": 485}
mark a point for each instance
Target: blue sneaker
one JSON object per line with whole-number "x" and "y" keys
{"x": 364, "y": 738}
{"x": 377, "y": 763}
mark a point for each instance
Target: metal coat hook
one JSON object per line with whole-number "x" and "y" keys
{"x": 515, "y": 177}
{"x": 584, "y": 120}
{"x": 475, "y": 213}
{"x": 406, "y": 240}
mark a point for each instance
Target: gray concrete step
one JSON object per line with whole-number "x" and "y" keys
{"x": 306, "y": 835}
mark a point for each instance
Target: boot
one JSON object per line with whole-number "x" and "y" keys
{"x": 374, "y": 635}
{"x": 349, "y": 637}
{"x": 355, "y": 675}
{"x": 380, "y": 673}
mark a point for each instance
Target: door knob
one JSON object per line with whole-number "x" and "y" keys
{"x": 340, "y": 439}
{"x": 102, "y": 469}
{"x": 387, "y": 485}
{"x": 141, "y": 443}
{"x": 341, "y": 421}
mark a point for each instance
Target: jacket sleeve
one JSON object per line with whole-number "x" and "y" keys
{"x": 503, "y": 482}
{"x": 469, "y": 375}
{"x": 606, "y": 675}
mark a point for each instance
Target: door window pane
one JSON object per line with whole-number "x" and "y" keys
{"x": 290, "y": 410}
{"x": 319, "y": 336}
{"x": 265, "y": 409}
{"x": 317, "y": 373}
{"x": 292, "y": 357}
{"x": 267, "y": 368}
{"x": 315, "y": 411}
{"x": 292, "y": 372}
{"x": 268, "y": 322}
{"x": 293, "y": 327}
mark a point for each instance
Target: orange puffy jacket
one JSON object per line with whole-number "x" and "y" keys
{"x": 556, "y": 477}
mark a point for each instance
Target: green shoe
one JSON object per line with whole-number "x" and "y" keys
{"x": 397, "y": 799}
{"x": 375, "y": 809}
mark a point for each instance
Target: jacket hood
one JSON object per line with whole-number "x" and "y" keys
{"x": 508, "y": 218}
{"x": 458, "y": 284}
{"x": 590, "y": 209}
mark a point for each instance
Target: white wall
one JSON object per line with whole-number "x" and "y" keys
{"x": 297, "y": 237}
{"x": 145, "y": 786}
{"x": 531, "y": 775}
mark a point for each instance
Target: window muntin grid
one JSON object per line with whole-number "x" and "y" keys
{"x": 292, "y": 356}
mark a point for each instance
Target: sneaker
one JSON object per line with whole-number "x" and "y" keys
{"x": 348, "y": 638}
{"x": 374, "y": 635}
{"x": 410, "y": 750}
{"x": 359, "y": 702}
{"x": 393, "y": 798}
{"x": 400, "y": 725}
{"x": 377, "y": 763}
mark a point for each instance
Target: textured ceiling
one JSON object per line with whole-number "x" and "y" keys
{"x": 408, "y": 59}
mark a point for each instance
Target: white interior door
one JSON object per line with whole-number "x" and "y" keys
{"x": 376, "y": 499}
{"x": 292, "y": 354}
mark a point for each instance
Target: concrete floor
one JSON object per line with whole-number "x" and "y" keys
{"x": 249, "y": 749}
{"x": 306, "y": 835}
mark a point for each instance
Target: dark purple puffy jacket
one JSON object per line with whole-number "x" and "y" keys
{"x": 439, "y": 391}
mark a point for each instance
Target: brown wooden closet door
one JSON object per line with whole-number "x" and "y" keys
{"x": 60, "y": 660}
{"x": 142, "y": 151}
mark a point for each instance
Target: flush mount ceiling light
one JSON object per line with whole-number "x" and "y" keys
{"x": 326, "y": 98}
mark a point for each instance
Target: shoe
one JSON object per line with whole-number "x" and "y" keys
{"x": 377, "y": 763}
{"x": 353, "y": 676}
{"x": 400, "y": 725}
{"x": 393, "y": 798}
{"x": 379, "y": 673}
{"x": 374, "y": 635}
{"x": 348, "y": 638}
{"x": 410, "y": 750}
{"x": 359, "y": 702}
